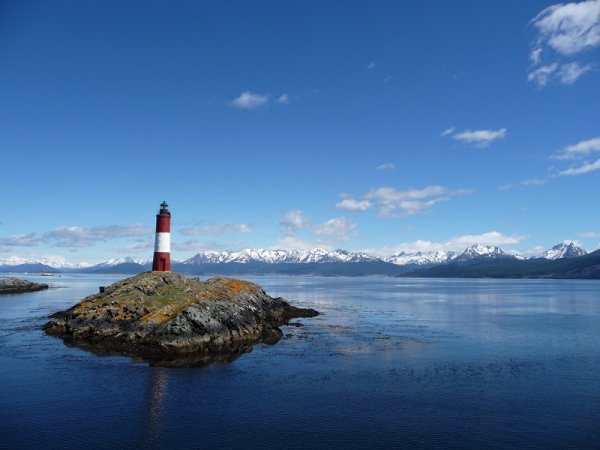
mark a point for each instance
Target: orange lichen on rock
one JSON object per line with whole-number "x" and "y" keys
{"x": 237, "y": 286}
{"x": 156, "y": 297}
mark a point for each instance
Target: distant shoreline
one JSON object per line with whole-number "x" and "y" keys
{"x": 17, "y": 286}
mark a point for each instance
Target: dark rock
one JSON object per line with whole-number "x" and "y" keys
{"x": 17, "y": 286}
{"x": 177, "y": 321}
{"x": 271, "y": 336}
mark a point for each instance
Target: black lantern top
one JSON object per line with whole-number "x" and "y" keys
{"x": 164, "y": 208}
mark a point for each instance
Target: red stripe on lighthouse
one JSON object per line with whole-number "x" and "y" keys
{"x": 161, "y": 262}
{"x": 163, "y": 223}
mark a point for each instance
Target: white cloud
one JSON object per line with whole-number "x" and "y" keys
{"x": 456, "y": 243}
{"x": 542, "y": 75}
{"x": 337, "y": 229}
{"x": 351, "y": 204}
{"x": 388, "y": 79}
{"x": 193, "y": 245}
{"x": 293, "y": 221}
{"x": 409, "y": 202}
{"x": 388, "y": 166}
{"x": 590, "y": 235}
{"x": 533, "y": 182}
{"x": 505, "y": 187}
{"x": 21, "y": 240}
{"x": 74, "y": 236}
{"x": 532, "y": 252}
{"x": 481, "y": 138}
{"x": 217, "y": 228}
{"x": 536, "y": 55}
{"x": 565, "y": 73}
{"x": 412, "y": 207}
{"x": 249, "y": 100}
{"x": 283, "y": 99}
{"x": 581, "y": 149}
{"x": 564, "y": 30}
{"x": 140, "y": 246}
{"x": 581, "y": 169}
{"x": 372, "y": 66}
{"x": 392, "y": 195}
{"x": 569, "y": 73}
{"x": 489, "y": 238}
{"x": 569, "y": 28}
{"x": 294, "y": 243}
{"x": 448, "y": 131}
{"x": 461, "y": 192}
{"x": 325, "y": 235}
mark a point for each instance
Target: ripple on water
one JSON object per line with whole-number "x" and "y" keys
{"x": 430, "y": 364}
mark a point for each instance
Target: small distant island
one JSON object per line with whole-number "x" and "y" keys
{"x": 17, "y": 286}
{"x": 170, "y": 320}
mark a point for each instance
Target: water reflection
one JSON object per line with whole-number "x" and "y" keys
{"x": 156, "y": 402}
{"x": 389, "y": 364}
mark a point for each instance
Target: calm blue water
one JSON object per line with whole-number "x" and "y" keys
{"x": 419, "y": 363}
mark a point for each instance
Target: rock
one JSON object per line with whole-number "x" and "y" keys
{"x": 171, "y": 320}
{"x": 271, "y": 336}
{"x": 17, "y": 286}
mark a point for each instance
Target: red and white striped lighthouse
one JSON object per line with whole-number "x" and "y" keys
{"x": 162, "y": 244}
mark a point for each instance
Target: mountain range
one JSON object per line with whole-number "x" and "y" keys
{"x": 317, "y": 261}
{"x": 585, "y": 267}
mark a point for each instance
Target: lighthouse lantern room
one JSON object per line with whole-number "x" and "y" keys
{"x": 162, "y": 243}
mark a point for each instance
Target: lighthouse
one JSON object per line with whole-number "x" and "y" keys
{"x": 162, "y": 243}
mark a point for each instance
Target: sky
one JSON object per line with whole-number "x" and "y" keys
{"x": 376, "y": 126}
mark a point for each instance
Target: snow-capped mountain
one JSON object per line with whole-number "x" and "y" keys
{"x": 57, "y": 262}
{"x": 518, "y": 255}
{"x": 564, "y": 250}
{"x": 319, "y": 255}
{"x": 419, "y": 258}
{"x": 254, "y": 261}
{"x": 316, "y": 255}
{"x": 483, "y": 251}
{"x": 243, "y": 257}
{"x": 126, "y": 260}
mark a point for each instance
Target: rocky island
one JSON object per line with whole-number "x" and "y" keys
{"x": 17, "y": 286}
{"x": 170, "y": 320}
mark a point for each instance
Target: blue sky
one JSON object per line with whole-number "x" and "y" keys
{"x": 379, "y": 126}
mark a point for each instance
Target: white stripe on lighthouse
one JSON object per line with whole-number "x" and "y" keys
{"x": 162, "y": 243}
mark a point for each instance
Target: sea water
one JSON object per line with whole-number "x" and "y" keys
{"x": 420, "y": 363}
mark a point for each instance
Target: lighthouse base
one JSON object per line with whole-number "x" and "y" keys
{"x": 161, "y": 262}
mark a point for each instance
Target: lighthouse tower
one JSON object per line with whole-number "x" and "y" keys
{"x": 162, "y": 244}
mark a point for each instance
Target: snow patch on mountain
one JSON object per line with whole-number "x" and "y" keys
{"x": 564, "y": 250}
{"x": 419, "y": 258}
{"x": 483, "y": 251}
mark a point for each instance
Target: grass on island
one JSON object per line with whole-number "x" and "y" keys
{"x": 157, "y": 296}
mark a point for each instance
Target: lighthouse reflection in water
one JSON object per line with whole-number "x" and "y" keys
{"x": 157, "y": 393}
